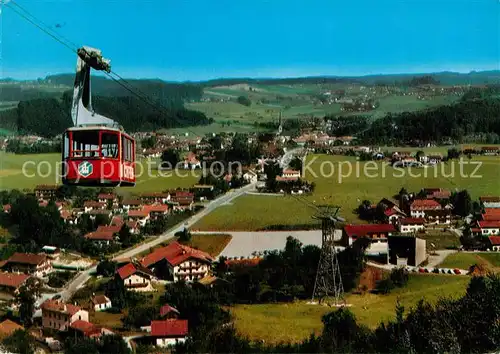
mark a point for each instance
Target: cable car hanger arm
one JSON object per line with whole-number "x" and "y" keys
{"x": 82, "y": 112}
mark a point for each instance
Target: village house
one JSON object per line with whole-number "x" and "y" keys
{"x": 168, "y": 312}
{"x": 494, "y": 243}
{"x": 490, "y": 202}
{"x": 406, "y": 250}
{"x": 8, "y": 327}
{"x": 131, "y": 204}
{"x": 37, "y": 265}
{"x": 108, "y": 198}
{"x": 250, "y": 176}
{"x": 411, "y": 225}
{"x": 93, "y": 213}
{"x": 437, "y": 193}
{"x": 45, "y": 191}
{"x": 69, "y": 217}
{"x": 438, "y": 217}
{"x": 101, "y": 238}
{"x": 377, "y": 233}
{"x": 182, "y": 200}
{"x": 420, "y": 206}
{"x": 150, "y": 198}
{"x": 11, "y": 282}
{"x": 169, "y": 332}
{"x": 291, "y": 174}
{"x": 191, "y": 162}
{"x": 179, "y": 261}
{"x": 491, "y": 214}
{"x": 89, "y": 330}
{"x": 59, "y": 315}
{"x": 6, "y": 208}
{"x": 135, "y": 277}
{"x": 489, "y": 228}
{"x": 490, "y": 150}
{"x": 51, "y": 252}
{"x": 90, "y": 205}
{"x": 156, "y": 210}
{"x": 101, "y": 303}
{"x": 109, "y": 228}
{"x": 139, "y": 216}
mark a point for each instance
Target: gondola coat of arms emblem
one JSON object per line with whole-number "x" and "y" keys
{"x": 85, "y": 169}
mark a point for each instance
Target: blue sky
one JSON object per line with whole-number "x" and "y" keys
{"x": 202, "y": 39}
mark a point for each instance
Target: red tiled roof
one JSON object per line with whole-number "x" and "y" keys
{"x": 138, "y": 213}
{"x": 93, "y": 204}
{"x": 106, "y": 196}
{"x": 166, "y": 309}
{"x": 413, "y": 221}
{"x": 117, "y": 221}
{"x": 156, "y": 208}
{"x": 390, "y": 212}
{"x": 12, "y": 280}
{"x": 495, "y": 240}
{"x": 6, "y": 207}
{"x": 366, "y": 229}
{"x": 169, "y": 328}
{"x": 130, "y": 268}
{"x": 83, "y": 326}
{"x": 491, "y": 217}
{"x": 488, "y": 224}
{"x": 59, "y": 306}
{"x": 475, "y": 229}
{"x": 422, "y": 204}
{"x": 106, "y": 228}
{"x": 440, "y": 195}
{"x": 46, "y": 187}
{"x": 100, "y": 212}
{"x": 175, "y": 254}
{"x": 65, "y": 214}
{"x": 286, "y": 179}
{"x": 8, "y": 327}
{"x": 132, "y": 224}
{"x": 291, "y": 172}
{"x": 490, "y": 199}
{"x": 27, "y": 258}
{"x": 100, "y": 235}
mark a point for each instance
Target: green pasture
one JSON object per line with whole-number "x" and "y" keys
{"x": 366, "y": 181}
{"x": 276, "y": 323}
{"x": 28, "y": 171}
{"x": 464, "y": 260}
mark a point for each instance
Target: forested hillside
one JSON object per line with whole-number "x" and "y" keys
{"x": 50, "y": 117}
{"x": 471, "y": 116}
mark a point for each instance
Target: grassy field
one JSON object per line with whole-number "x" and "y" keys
{"x": 275, "y": 323}
{"x": 27, "y": 171}
{"x": 438, "y": 239}
{"x": 212, "y": 244}
{"x": 252, "y": 212}
{"x": 464, "y": 260}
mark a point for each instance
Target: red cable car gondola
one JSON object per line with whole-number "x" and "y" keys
{"x": 96, "y": 152}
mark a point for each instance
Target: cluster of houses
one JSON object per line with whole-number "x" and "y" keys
{"x": 172, "y": 263}
{"x": 397, "y": 235}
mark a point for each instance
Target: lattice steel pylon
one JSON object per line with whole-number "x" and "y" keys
{"x": 328, "y": 282}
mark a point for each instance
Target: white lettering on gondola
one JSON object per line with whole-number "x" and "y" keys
{"x": 128, "y": 172}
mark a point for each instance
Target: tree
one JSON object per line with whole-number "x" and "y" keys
{"x": 272, "y": 170}
{"x": 453, "y": 153}
{"x": 245, "y": 101}
{"x": 462, "y": 203}
{"x": 296, "y": 164}
{"x": 106, "y": 268}
{"x": 28, "y": 293}
{"x": 170, "y": 158}
{"x": 149, "y": 142}
{"x": 20, "y": 342}
{"x": 184, "y": 236}
{"x": 125, "y": 236}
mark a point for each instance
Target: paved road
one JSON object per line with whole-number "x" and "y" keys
{"x": 285, "y": 159}
{"x": 84, "y": 276}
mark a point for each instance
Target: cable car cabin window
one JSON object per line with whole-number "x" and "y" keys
{"x": 66, "y": 146}
{"x": 85, "y": 144}
{"x": 109, "y": 145}
{"x": 127, "y": 153}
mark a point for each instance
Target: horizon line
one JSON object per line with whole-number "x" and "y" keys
{"x": 277, "y": 77}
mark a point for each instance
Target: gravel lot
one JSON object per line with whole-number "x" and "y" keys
{"x": 243, "y": 244}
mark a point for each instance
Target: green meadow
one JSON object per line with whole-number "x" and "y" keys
{"x": 343, "y": 181}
